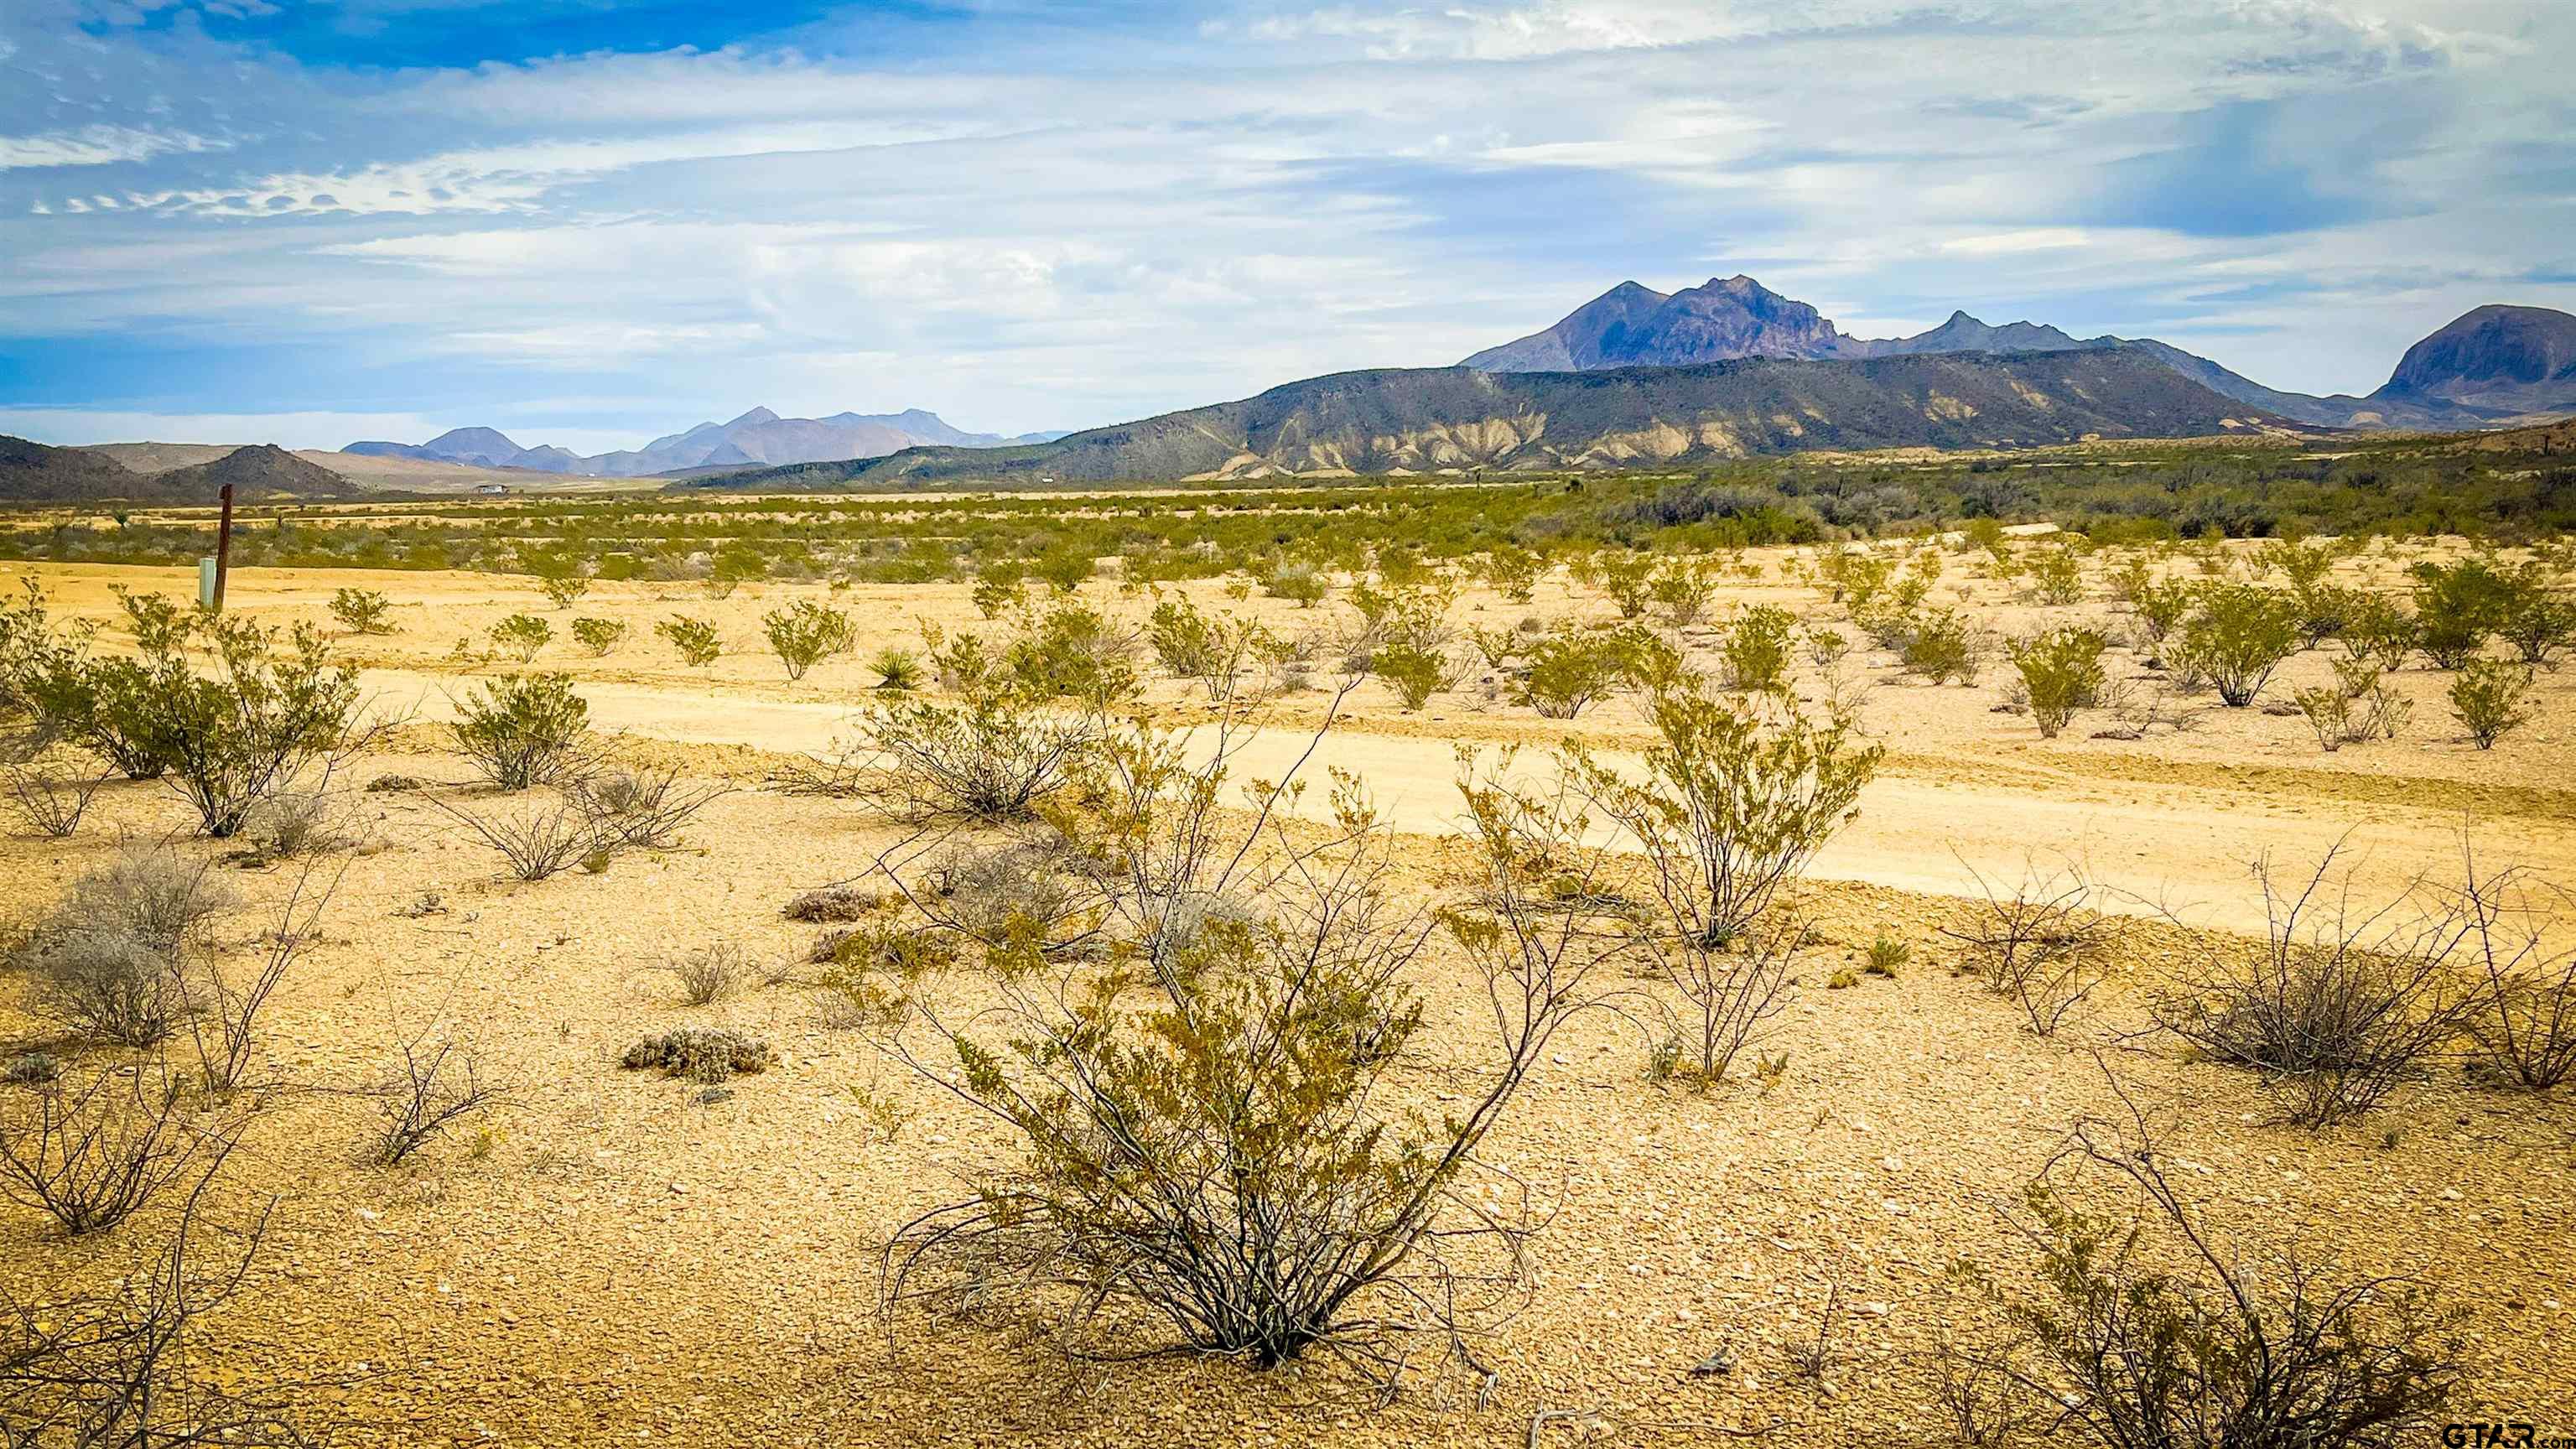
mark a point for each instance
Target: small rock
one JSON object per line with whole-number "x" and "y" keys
{"x": 1716, "y": 1363}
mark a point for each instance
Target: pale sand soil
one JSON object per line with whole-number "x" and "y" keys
{"x": 618, "y": 1264}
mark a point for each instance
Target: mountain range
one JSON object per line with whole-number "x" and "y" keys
{"x": 2490, "y": 364}
{"x": 1633, "y": 377}
{"x": 757, "y": 437}
{"x": 1457, "y": 419}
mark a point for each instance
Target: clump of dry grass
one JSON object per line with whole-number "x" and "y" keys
{"x": 707, "y": 1054}
{"x": 835, "y": 905}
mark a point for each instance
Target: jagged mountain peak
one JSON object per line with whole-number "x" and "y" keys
{"x": 1633, "y": 325}
{"x": 2493, "y": 362}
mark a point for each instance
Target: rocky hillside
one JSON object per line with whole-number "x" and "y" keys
{"x": 262, "y": 470}
{"x": 2495, "y": 359}
{"x": 1457, "y": 419}
{"x": 1631, "y": 325}
{"x": 35, "y": 473}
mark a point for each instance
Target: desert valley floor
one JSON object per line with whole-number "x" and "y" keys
{"x": 610, "y": 1257}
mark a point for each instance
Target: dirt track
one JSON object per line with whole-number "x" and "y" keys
{"x": 1928, "y": 825}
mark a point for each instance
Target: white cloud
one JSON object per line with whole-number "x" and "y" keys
{"x": 101, "y": 145}
{"x": 517, "y": 177}
{"x": 2010, "y": 243}
{"x": 77, "y": 427}
{"x": 1026, "y": 236}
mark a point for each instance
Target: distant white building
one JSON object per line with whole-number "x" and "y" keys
{"x": 492, "y": 490}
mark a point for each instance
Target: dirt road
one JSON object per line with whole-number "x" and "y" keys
{"x": 1932, "y": 825}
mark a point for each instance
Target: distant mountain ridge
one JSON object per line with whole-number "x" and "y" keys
{"x": 2494, "y": 363}
{"x": 758, "y": 436}
{"x": 1429, "y": 420}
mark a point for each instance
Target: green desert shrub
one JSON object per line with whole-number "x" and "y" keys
{"x": 362, "y": 611}
{"x": 2356, "y": 708}
{"x": 2061, "y": 671}
{"x": 2491, "y": 699}
{"x": 1514, "y": 572}
{"x": 1940, "y": 645}
{"x": 1571, "y": 669}
{"x": 1072, "y": 651}
{"x": 806, "y": 633}
{"x": 599, "y": 638}
{"x": 695, "y": 640}
{"x": 1414, "y": 671}
{"x": 522, "y": 730}
{"x": 1755, "y": 655}
{"x": 2236, "y": 636}
{"x": 273, "y": 708}
{"x": 1733, "y": 803}
{"x": 2377, "y": 629}
{"x": 1064, "y": 570}
{"x": 521, "y": 636}
{"x": 2536, "y": 617}
{"x": 997, "y": 587}
{"x": 2458, "y": 608}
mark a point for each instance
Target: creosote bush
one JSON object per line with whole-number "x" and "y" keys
{"x": 693, "y": 639}
{"x": 1941, "y": 646}
{"x": 362, "y": 611}
{"x": 1570, "y": 669}
{"x": 2151, "y": 1330}
{"x": 599, "y": 638}
{"x": 2489, "y": 699}
{"x": 522, "y": 636}
{"x": 2458, "y": 608}
{"x": 2061, "y": 671}
{"x": 2236, "y": 635}
{"x": 992, "y": 756}
{"x": 805, "y": 633}
{"x": 1756, "y": 652}
{"x": 2339, "y": 1003}
{"x": 522, "y": 730}
{"x": 2358, "y": 707}
{"x": 1207, "y": 1133}
{"x": 1735, "y": 800}
{"x": 274, "y": 711}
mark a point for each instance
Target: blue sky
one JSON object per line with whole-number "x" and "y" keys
{"x": 592, "y": 223}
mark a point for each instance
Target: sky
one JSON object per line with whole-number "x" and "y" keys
{"x": 589, "y": 223}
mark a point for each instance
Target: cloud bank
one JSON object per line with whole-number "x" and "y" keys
{"x": 1028, "y": 215}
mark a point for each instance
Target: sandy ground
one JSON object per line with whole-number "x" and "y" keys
{"x": 605, "y": 1259}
